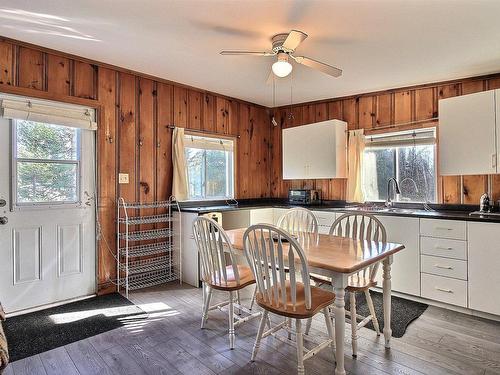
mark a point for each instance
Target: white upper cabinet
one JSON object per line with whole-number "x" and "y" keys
{"x": 315, "y": 151}
{"x": 467, "y": 134}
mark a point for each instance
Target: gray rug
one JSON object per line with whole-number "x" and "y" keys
{"x": 404, "y": 311}
{"x": 43, "y": 330}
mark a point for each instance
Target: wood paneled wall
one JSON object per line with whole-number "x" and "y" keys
{"x": 133, "y": 137}
{"x": 385, "y": 111}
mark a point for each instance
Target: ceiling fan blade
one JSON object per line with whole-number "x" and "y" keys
{"x": 322, "y": 67}
{"x": 293, "y": 39}
{"x": 247, "y": 53}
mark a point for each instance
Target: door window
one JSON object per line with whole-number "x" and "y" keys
{"x": 46, "y": 164}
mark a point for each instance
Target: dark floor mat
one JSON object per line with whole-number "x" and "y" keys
{"x": 404, "y": 311}
{"x": 43, "y": 330}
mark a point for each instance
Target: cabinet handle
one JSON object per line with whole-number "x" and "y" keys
{"x": 493, "y": 160}
{"x": 442, "y": 228}
{"x": 443, "y": 248}
{"x": 443, "y": 267}
{"x": 444, "y": 290}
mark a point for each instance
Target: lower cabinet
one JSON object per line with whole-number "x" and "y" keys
{"x": 189, "y": 258}
{"x": 405, "y": 270}
{"x": 484, "y": 267}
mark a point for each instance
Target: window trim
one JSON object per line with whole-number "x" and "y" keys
{"x": 404, "y": 144}
{"x": 234, "y": 163}
{"x": 15, "y": 205}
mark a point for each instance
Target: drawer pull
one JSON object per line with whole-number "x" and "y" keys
{"x": 443, "y": 267}
{"x": 442, "y": 228}
{"x": 443, "y": 248}
{"x": 444, "y": 290}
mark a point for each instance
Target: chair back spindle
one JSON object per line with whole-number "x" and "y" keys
{"x": 215, "y": 251}
{"x": 298, "y": 221}
{"x": 270, "y": 251}
{"x": 361, "y": 227}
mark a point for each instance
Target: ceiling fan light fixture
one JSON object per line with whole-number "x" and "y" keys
{"x": 282, "y": 67}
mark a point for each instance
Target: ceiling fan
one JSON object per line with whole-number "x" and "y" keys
{"x": 284, "y": 46}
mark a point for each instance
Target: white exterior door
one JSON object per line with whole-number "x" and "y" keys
{"x": 47, "y": 235}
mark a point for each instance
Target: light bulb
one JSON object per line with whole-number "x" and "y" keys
{"x": 282, "y": 67}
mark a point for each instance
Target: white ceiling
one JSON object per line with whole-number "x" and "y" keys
{"x": 378, "y": 44}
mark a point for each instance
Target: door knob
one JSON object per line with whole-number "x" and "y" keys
{"x": 3, "y": 220}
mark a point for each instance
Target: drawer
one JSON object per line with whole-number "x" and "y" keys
{"x": 444, "y": 289}
{"x": 324, "y": 218}
{"x": 443, "y": 247}
{"x": 453, "y": 229}
{"x": 454, "y": 268}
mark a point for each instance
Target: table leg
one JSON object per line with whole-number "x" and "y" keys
{"x": 387, "y": 300}
{"x": 340, "y": 283}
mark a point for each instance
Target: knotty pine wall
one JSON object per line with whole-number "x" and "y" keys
{"x": 134, "y": 111}
{"x": 372, "y": 111}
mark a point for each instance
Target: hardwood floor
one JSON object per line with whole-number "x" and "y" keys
{"x": 169, "y": 341}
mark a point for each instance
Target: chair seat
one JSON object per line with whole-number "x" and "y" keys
{"x": 319, "y": 299}
{"x": 354, "y": 284}
{"x": 229, "y": 284}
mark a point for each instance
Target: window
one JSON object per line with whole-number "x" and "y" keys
{"x": 46, "y": 163}
{"x": 210, "y": 167}
{"x": 410, "y": 157}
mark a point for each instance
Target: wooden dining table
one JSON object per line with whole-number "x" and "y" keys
{"x": 338, "y": 258}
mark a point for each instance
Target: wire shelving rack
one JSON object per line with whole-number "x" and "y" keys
{"x": 147, "y": 254}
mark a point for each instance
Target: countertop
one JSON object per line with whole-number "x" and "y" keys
{"x": 447, "y": 212}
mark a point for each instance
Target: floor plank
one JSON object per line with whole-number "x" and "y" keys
{"x": 58, "y": 362}
{"x": 168, "y": 340}
{"x": 29, "y": 366}
{"x": 86, "y": 358}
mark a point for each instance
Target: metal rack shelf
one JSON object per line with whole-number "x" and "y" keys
{"x": 147, "y": 265}
{"x": 144, "y": 280}
{"x": 144, "y": 235}
{"x": 153, "y": 219}
{"x": 163, "y": 262}
{"x": 159, "y": 204}
{"x": 158, "y": 248}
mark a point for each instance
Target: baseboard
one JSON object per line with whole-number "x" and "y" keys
{"x": 49, "y": 305}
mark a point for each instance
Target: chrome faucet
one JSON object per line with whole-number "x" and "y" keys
{"x": 388, "y": 202}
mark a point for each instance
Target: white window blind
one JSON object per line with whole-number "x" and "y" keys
{"x": 418, "y": 137}
{"x": 208, "y": 143}
{"x": 48, "y": 112}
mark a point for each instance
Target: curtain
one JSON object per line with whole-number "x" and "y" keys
{"x": 180, "y": 180}
{"x": 48, "y": 112}
{"x": 355, "y": 162}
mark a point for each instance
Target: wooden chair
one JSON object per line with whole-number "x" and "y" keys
{"x": 358, "y": 227}
{"x": 298, "y": 221}
{"x": 269, "y": 251}
{"x": 221, "y": 272}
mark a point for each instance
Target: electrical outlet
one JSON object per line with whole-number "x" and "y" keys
{"x": 123, "y": 178}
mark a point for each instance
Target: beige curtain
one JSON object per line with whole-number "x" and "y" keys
{"x": 180, "y": 180}
{"x": 355, "y": 162}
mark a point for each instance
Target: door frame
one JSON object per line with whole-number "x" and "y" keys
{"x": 100, "y": 119}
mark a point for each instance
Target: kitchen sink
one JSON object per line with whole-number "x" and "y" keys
{"x": 380, "y": 209}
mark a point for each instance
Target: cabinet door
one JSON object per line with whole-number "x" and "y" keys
{"x": 295, "y": 152}
{"x": 261, "y": 216}
{"x": 327, "y": 157}
{"x": 405, "y": 271}
{"x": 467, "y": 143}
{"x": 189, "y": 252}
{"x": 484, "y": 266}
{"x": 315, "y": 151}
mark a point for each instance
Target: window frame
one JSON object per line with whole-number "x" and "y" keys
{"x": 232, "y": 177}
{"x": 396, "y": 162}
{"x": 15, "y": 205}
